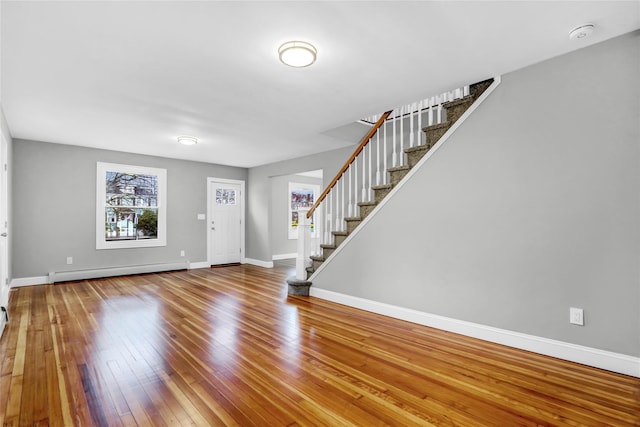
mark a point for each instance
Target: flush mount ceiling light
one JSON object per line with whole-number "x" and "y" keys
{"x": 581, "y": 32}
{"x": 297, "y": 54}
{"x": 187, "y": 140}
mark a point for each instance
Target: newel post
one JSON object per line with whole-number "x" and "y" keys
{"x": 304, "y": 244}
{"x": 299, "y": 285}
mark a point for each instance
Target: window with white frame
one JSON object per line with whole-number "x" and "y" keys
{"x": 301, "y": 196}
{"x": 130, "y": 206}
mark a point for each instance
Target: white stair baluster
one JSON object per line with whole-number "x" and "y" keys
{"x": 327, "y": 220}
{"x": 336, "y": 207}
{"x": 384, "y": 139}
{"x": 465, "y": 91}
{"x": 378, "y": 157}
{"x": 411, "y": 109}
{"x": 355, "y": 187}
{"x": 342, "y": 223}
{"x": 395, "y": 156}
{"x": 419, "y": 130}
{"x": 431, "y": 103}
{"x": 349, "y": 186}
{"x": 369, "y": 190}
{"x": 401, "y": 151}
{"x": 364, "y": 176}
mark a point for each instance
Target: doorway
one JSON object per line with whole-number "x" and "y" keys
{"x": 4, "y": 222}
{"x": 225, "y": 221}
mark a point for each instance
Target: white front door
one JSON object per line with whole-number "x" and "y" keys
{"x": 225, "y": 222}
{"x": 4, "y": 209}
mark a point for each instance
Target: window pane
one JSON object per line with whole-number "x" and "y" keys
{"x": 124, "y": 189}
{"x": 301, "y": 198}
{"x": 225, "y": 196}
{"x": 124, "y": 223}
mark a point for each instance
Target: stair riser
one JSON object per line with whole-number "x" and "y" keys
{"x": 326, "y": 253}
{"x": 366, "y": 210}
{"x": 337, "y": 240}
{"x": 316, "y": 264}
{"x": 454, "y": 113}
{"x": 381, "y": 194}
{"x": 414, "y": 156}
{"x": 433, "y": 135}
{"x": 396, "y": 176}
{"x": 351, "y": 225}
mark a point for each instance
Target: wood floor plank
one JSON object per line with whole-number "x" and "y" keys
{"x": 229, "y": 347}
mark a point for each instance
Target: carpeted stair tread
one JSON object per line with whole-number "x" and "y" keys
{"x": 460, "y": 101}
{"x": 435, "y": 127}
{"x": 398, "y": 168}
{"x": 382, "y": 187}
{"x": 416, "y": 148}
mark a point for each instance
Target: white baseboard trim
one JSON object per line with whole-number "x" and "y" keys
{"x": 194, "y": 265}
{"x": 602, "y": 359}
{"x": 265, "y": 264}
{"x": 29, "y": 281}
{"x": 284, "y": 256}
{"x": 95, "y": 273}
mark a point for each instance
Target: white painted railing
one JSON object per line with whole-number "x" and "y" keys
{"x": 384, "y": 149}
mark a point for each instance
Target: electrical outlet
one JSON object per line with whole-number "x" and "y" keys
{"x": 182, "y": 252}
{"x": 69, "y": 260}
{"x": 576, "y": 316}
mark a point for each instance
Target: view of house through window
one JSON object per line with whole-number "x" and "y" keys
{"x": 131, "y": 206}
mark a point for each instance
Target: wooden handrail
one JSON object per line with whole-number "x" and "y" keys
{"x": 363, "y": 143}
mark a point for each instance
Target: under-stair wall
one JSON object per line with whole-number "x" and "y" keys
{"x": 531, "y": 207}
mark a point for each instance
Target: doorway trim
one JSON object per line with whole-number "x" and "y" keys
{"x": 211, "y": 182}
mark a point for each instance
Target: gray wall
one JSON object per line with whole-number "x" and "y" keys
{"x": 280, "y": 243}
{"x": 54, "y": 208}
{"x": 259, "y": 192}
{"x": 532, "y": 207}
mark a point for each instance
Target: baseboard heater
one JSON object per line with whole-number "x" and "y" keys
{"x": 66, "y": 276}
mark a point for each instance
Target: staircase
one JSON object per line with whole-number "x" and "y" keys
{"x": 453, "y": 110}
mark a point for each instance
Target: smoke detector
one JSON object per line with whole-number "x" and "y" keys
{"x": 581, "y": 32}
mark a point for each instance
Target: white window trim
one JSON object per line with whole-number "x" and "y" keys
{"x": 101, "y": 242}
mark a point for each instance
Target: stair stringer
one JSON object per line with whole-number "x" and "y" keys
{"x": 412, "y": 171}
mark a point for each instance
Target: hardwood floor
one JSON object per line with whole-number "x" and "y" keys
{"x": 228, "y": 347}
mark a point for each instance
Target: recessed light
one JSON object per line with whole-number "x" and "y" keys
{"x": 187, "y": 140}
{"x": 297, "y": 54}
{"x": 581, "y": 32}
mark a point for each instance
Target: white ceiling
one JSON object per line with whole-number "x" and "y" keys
{"x": 131, "y": 76}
